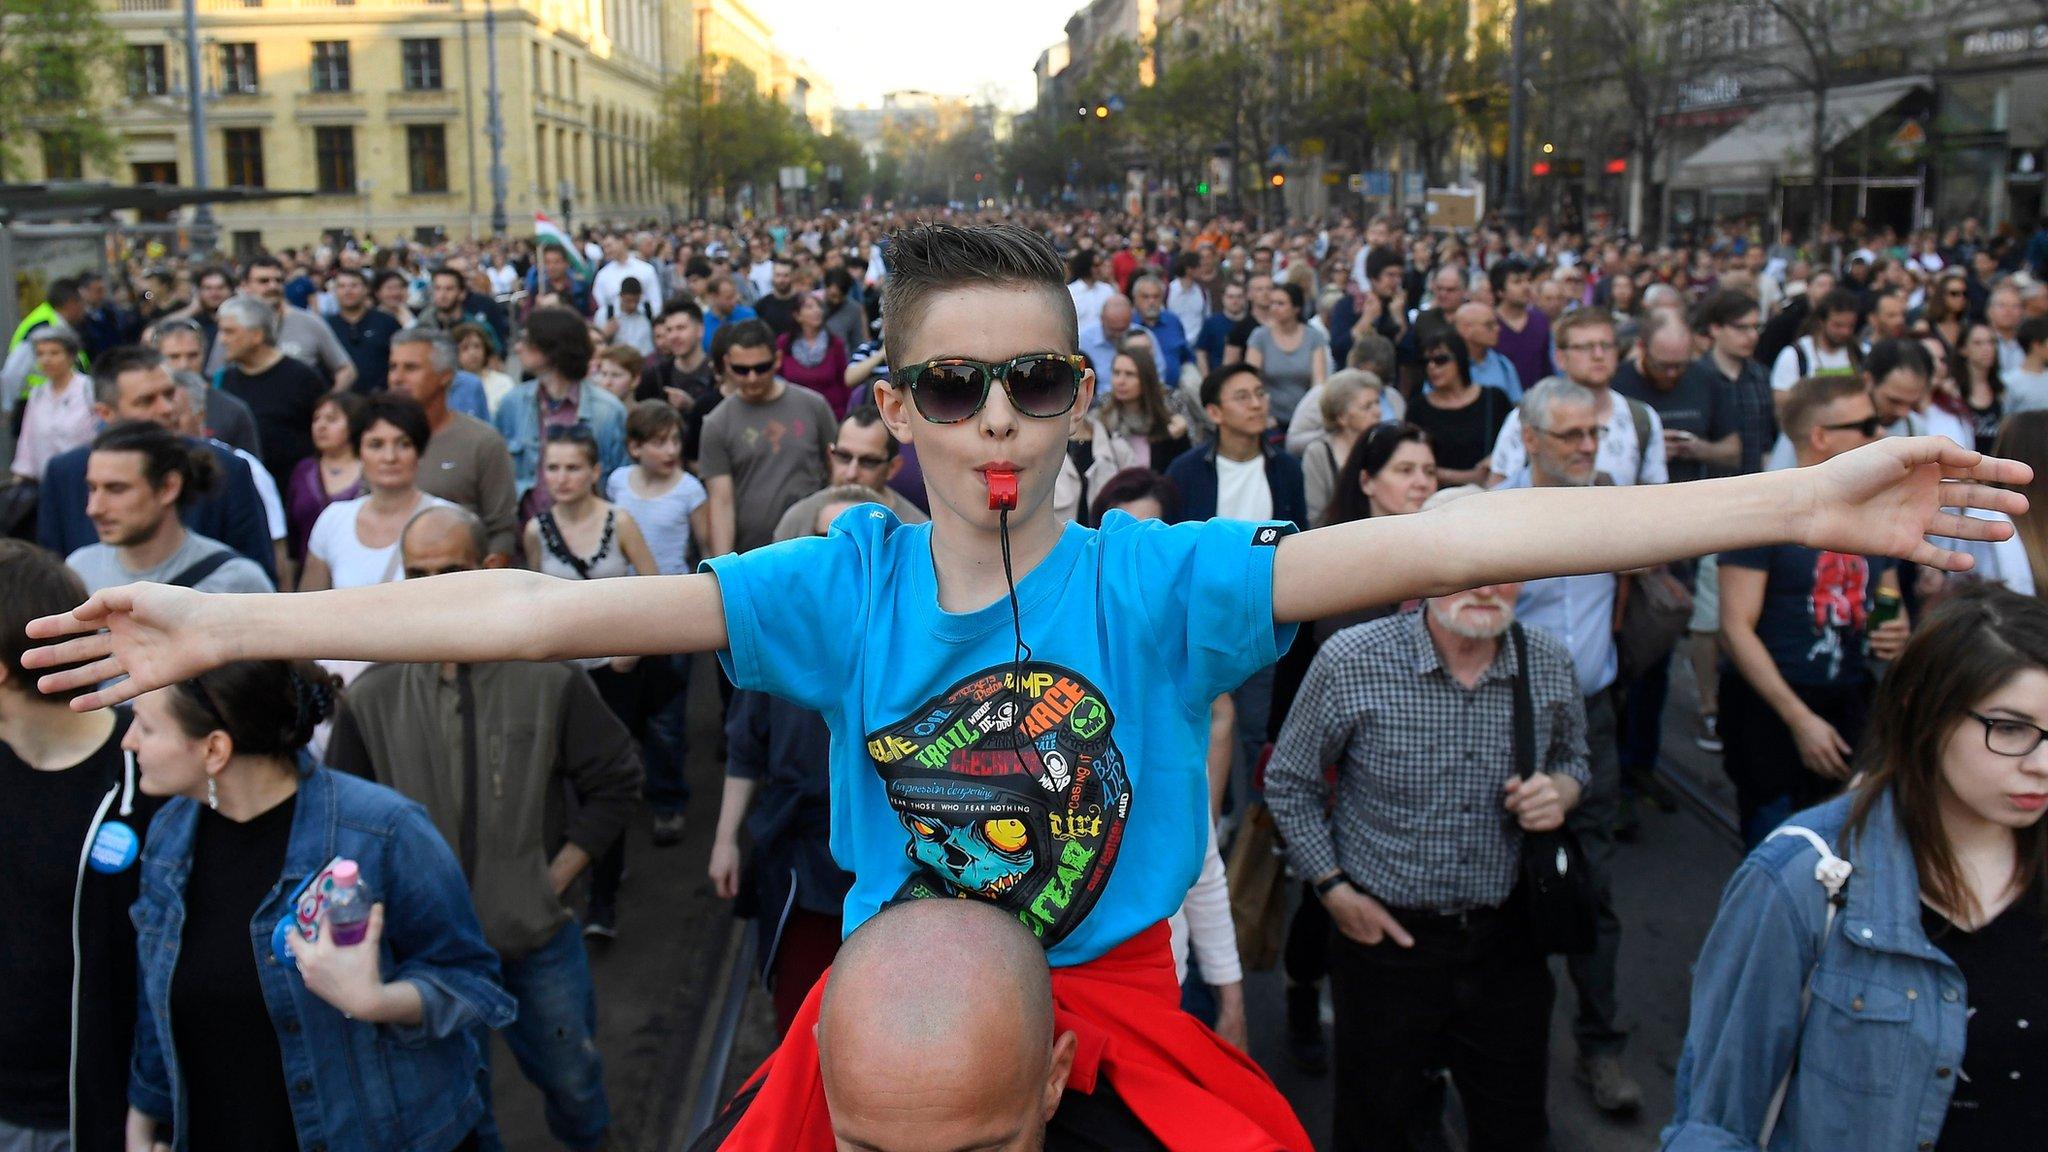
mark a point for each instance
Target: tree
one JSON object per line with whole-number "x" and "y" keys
{"x": 55, "y": 62}
{"x": 1620, "y": 46}
{"x": 1408, "y": 68}
{"x": 722, "y": 133}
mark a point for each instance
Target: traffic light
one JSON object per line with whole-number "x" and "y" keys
{"x": 1202, "y": 189}
{"x": 977, "y": 177}
{"x": 1279, "y": 179}
{"x": 1102, "y": 111}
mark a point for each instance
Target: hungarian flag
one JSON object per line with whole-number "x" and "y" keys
{"x": 546, "y": 231}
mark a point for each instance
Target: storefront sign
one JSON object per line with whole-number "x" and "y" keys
{"x": 1708, "y": 92}
{"x": 1991, "y": 43}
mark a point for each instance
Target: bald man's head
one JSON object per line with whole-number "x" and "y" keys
{"x": 936, "y": 1033}
{"x": 440, "y": 539}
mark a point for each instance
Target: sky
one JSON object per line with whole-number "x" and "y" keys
{"x": 864, "y": 48}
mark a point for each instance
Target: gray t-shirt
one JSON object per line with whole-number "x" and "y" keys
{"x": 99, "y": 565}
{"x": 774, "y": 452}
{"x": 1288, "y": 374}
{"x": 303, "y": 337}
{"x": 2024, "y": 390}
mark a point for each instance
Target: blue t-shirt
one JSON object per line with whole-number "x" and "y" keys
{"x": 1074, "y": 796}
{"x": 1815, "y": 607}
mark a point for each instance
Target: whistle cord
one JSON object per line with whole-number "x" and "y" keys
{"x": 1023, "y": 650}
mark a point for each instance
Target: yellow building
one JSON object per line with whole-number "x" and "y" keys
{"x": 380, "y": 107}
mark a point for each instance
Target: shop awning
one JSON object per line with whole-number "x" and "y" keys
{"x": 1777, "y": 139}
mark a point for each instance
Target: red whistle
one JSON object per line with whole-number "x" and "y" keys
{"x": 1002, "y": 490}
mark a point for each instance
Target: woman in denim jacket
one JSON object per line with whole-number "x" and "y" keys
{"x": 1927, "y": 1027}
{"x": 366, "y": 1048}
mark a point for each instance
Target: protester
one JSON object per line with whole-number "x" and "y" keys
{"x": 333, "y": 473}
{"x": 364, "y": 330}
{"x": 1974, "y": 368}
{"x": 864, "y": 455}
{"x": 1828, "y": 346}
{"x": 523, "y": 851}
{"x": 1136, "y": 425}
{"x": 329, "y": 1044}
{"x": 58, "y": 415}
{"x": 1463, "y": 418}
{"x": 810, "y": 356}
{"x": 354, "y": 543}
{"x": 1289, "y": 354}
{"x": 139, "y": 479}
{"x": 557, "y": 350}
{"x": 1794, "y": 627}
{"x": 1629, "y": 437}
{"x": 292, "y": 330}
{"x": 75, "y": 825}
{"x": 281, "y": 391}
{"x": 753, "y": 476}
{"x": 628, "y": 321}
{"x": 1416, "y": 865}
{"x": 1350, "y": 403}
{"x": 476, "y": 352}
{"x": 1523, "y": 337}
{"x": 1807, "y": 1028}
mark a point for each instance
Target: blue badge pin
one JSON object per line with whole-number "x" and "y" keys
{"x": 114, "y": 848}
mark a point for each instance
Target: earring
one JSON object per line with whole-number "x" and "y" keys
{"x": 212, "y": 794}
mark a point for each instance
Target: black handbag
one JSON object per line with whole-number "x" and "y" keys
{"x": 1556, "y": 889}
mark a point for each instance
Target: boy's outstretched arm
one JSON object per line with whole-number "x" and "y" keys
{"x": 157, "y": 635}
{"x": 1883, "y": 499}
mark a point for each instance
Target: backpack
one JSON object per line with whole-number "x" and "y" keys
{"x": 1639, "y": 412}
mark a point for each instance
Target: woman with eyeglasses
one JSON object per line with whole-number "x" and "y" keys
{"x": 252, "y": 1040}
{"x": 354, "y": 543}
{"x": 1462, "y": 418}
{"x": 1974, "y": 369}
{"x": 582, "y": 536}
{"x": 1885, "y": 994}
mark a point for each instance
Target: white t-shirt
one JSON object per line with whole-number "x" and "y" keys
{"x": 1089, "y": 299}
{"x": 1191, "y": 304}
{"x": 1785, "y": 372}
{"x": 636, "y": 328}
{"x": 266, "y": 491}
{"x": 605, "y": 288}
{"x": 1620, "y": 455}
{"x": 1241, "y": 489}
{"x": 350, "y": 562}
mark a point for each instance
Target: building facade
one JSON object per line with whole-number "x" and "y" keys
{"x": 380, "y": 109}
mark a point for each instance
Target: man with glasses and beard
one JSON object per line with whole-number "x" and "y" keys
{"x": 765, "y": 447}
{"x": 1795, "y": 687}
{"x": 864, "y": 456}
{"x": 1430, "y": 965}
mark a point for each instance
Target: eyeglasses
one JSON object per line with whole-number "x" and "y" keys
{"x": 2008, "y": 737}
{"x": 843, "y": 458}
{"x": 1040, "y": 385}
{"x": 1593, "y": 347}
{"x": 1577, "y": 435}
{"x": 764, "y": 368}
{"x": 1867, "y": 427}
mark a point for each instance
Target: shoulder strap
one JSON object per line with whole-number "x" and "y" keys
{"x": 1833, "y": 873}
{"x": 1799, "y": 354}
{"x": 551, "y": 538}
{"x": 201, "y": 568}
{"x": 1525, "y": 708}
{"x": 1640, "y": 413}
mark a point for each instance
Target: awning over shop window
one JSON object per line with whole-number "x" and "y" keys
{"x": 1777, "y": 139}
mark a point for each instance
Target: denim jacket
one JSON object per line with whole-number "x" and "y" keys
{"x": 518, "y": 421}
{"x": 356, "y": 1087}
{"x": 1874, "y": 1065}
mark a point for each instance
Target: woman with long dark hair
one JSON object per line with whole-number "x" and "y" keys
{"x": 251, "y": 1043}
{"x": 1389, "y": 472}
{"x": 1973, "y": 366}
{"x": 1462, "y": 418}
{"x": 1873, "y": 978}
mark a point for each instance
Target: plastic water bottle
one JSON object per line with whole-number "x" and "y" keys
{"x": 348, "y": 910}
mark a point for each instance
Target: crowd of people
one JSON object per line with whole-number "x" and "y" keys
{"x": 822, "y": 413}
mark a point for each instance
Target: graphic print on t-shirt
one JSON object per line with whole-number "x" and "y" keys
{"x": 1840, "y": 582}
{"x": 1010, "y": 790}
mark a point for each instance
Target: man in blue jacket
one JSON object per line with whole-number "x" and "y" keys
{"x": 1239, "y": 476}
{"x": 133, "y": 383}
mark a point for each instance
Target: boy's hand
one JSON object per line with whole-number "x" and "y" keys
{"x": 1885, "y": 499}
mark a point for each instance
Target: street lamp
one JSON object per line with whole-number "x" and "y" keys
{"x": 494, "y": 123}
{"x": 203, "y": 227}
{"x": 1511, "y": 209}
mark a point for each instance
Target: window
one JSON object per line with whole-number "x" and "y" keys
{"x": 246, "y": 245}
{"x": 238, "y": 69}
{"x": 242, "y": 148}
{"x": 62, "y": 157}
{"x": 422, "y": 65}
{"x": 334, "y": 156}
{"x": 426, "y": 155}
{"x": 147, "y": 75}
{"x": 330, "y": 66}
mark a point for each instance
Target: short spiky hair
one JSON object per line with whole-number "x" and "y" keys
{"x": 925, "y": 259}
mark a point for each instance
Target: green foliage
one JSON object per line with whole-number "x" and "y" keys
{"x": 722, "y": 133}
{"x": 1415, "y": 71}
{"x": 54, "y": 56}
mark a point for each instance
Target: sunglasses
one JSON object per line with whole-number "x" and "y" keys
{"x": 1041, "y": 385}
{"x": 843, "y": 458}
{"x": 762, "y": 369}
{"x": 1868, "y": 428}
{"x": 1439, "y": 359}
